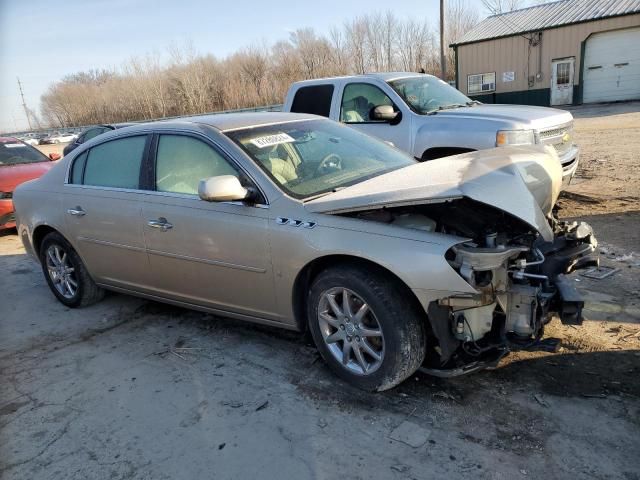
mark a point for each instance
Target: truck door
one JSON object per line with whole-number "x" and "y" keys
{"x": 358, "y": 101}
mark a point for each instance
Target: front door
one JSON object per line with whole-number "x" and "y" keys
{"x": 358, "y": 99}
{"x": 562, "y": 81}
{"x": 205, "y": 253}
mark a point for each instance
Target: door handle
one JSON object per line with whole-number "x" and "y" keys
{"x": 76, "y": 212}
{"x": 160, "y": 224}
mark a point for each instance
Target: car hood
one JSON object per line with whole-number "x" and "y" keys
{"x": 534, "y": 117}
{"x": 522, "y": 181}
{"x": 13, "y": 175}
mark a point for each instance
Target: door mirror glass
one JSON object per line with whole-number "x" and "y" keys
{"x": 223, "y": 188}
{"x": 384, "y": 113}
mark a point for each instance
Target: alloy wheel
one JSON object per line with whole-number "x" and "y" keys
{"x": 61, "y": 271}
{"x": 351, "y": 330}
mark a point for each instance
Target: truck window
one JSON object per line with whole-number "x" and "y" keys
{"x": 315, "y": 99}
{"x": 359, "y": 99}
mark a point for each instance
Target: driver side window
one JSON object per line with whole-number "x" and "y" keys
{"x": 358, "y": 99}
{"x": 182, "y": 161}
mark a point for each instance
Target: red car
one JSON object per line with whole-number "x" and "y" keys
{"x": 19, "y": 162}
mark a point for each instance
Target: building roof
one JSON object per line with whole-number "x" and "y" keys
{"x": 548, "y": 15}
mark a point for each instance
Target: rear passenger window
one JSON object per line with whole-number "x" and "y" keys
{"x": 78, "y": 168}
{"x": 183, "y": 161}
{"x": 115, "y": 163}
{"x": 315, "y": 99}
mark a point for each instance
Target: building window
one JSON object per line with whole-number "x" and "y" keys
{"x": 481, "y": 83}
{"x": 562, "y": 73}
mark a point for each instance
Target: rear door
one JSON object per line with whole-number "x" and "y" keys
{"x": 214, "y": 254}
{"x": 313, "y": 99}
{"x": 102, "y": 203}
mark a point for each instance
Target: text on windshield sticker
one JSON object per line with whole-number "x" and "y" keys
{"x": 270, "y": 140}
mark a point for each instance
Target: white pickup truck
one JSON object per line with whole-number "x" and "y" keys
{"x": 426, "y": 117}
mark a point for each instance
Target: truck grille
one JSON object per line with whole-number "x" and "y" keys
{"x": 560, "y": 137}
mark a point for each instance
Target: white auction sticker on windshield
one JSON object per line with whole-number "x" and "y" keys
{"x": 270, "y": 140}
{"x": 14, "y": 145}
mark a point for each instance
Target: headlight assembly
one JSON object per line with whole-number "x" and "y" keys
{"x": 515, "y": 137}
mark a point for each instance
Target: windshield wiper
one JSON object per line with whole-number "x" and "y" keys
{"x": 449, "y": 107}
{"x": 473, "y": 102}
{"x": 318, "y": 195}
{"x": 446, "y": 107}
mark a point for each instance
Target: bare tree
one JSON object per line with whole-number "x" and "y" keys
{"x": 460, "y": 17}
{"x": 184, "y": 81}
{"x": 501, "y": 6}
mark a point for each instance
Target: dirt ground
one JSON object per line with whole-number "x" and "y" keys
{"x": 608, "y": 177}
{"x": 132, "y": 389}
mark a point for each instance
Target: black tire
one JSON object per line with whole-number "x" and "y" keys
{"x": 87, "y": 292}
{"x": 401, "y": 321}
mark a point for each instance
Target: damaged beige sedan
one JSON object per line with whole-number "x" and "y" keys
{"x": 299, "y": 222}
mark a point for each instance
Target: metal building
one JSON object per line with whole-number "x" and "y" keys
{"x": 559, "y": 53}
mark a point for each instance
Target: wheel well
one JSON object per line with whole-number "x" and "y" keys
{"x": 38, "y": 235}
{"x": 313, "y": 269}
{"x": 439, "y": 152}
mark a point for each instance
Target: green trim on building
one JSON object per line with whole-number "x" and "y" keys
{"x": 455, "y": 59}
{"x": 577, "y": 92}
{"x": 540, "y": 96}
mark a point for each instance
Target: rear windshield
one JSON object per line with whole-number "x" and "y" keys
{"x": 13, "y": 153}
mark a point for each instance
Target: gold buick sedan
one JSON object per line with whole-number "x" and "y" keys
{"x": 299, "y": 222}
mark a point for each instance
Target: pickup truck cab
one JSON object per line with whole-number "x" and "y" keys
{"x": 428, "y": 118}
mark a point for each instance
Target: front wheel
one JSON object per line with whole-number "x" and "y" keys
{"x": 366, "y": 329}
{"x": 65, "y": 273}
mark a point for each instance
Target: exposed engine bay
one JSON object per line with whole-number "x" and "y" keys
{"x": 519, "y": 277}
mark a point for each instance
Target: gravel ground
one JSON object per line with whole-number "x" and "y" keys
{"x": 132, "y": 389}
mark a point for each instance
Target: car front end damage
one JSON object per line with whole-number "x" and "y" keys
{"x": 513, "y": 252}
{"x": 521, "y": 285}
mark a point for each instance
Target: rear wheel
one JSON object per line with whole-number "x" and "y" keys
{"x": 65, "y": 273}
{"x": 365, "y": 327}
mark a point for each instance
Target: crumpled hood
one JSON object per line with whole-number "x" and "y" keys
{"x": 522, "y": 181}
{"x": 531, "y": 116}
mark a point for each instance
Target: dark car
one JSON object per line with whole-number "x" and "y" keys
{"x": 91, "y": 132}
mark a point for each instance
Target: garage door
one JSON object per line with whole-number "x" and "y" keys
{"x": 612, "y": 66}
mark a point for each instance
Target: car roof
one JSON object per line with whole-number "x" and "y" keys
{"x": 230, "y": 121}
{"x": 9, "y": 140}
{"x": 384, "y": 76}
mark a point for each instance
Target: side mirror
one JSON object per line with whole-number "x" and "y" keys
{"x": 383, "y": 112}
{"x": 54, "y": 156}
{"x": 223, "y": 188}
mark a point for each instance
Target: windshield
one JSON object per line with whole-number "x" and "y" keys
{"x": 426, "y": 94}
{"x": 12, "y": 153}
{"x": 312, "y": 157}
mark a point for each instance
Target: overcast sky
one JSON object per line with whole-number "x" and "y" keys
{"x": 42, "y": 40}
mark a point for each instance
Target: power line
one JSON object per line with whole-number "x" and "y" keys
{"x": 24, "y": 104}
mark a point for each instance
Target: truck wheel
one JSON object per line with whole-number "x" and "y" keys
{"x": 65, "y": 273}
{"x": 365, "y": 328}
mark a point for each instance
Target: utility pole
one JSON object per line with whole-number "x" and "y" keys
{"x": 443, "y": 63}
{"x": 24, "y": 105}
